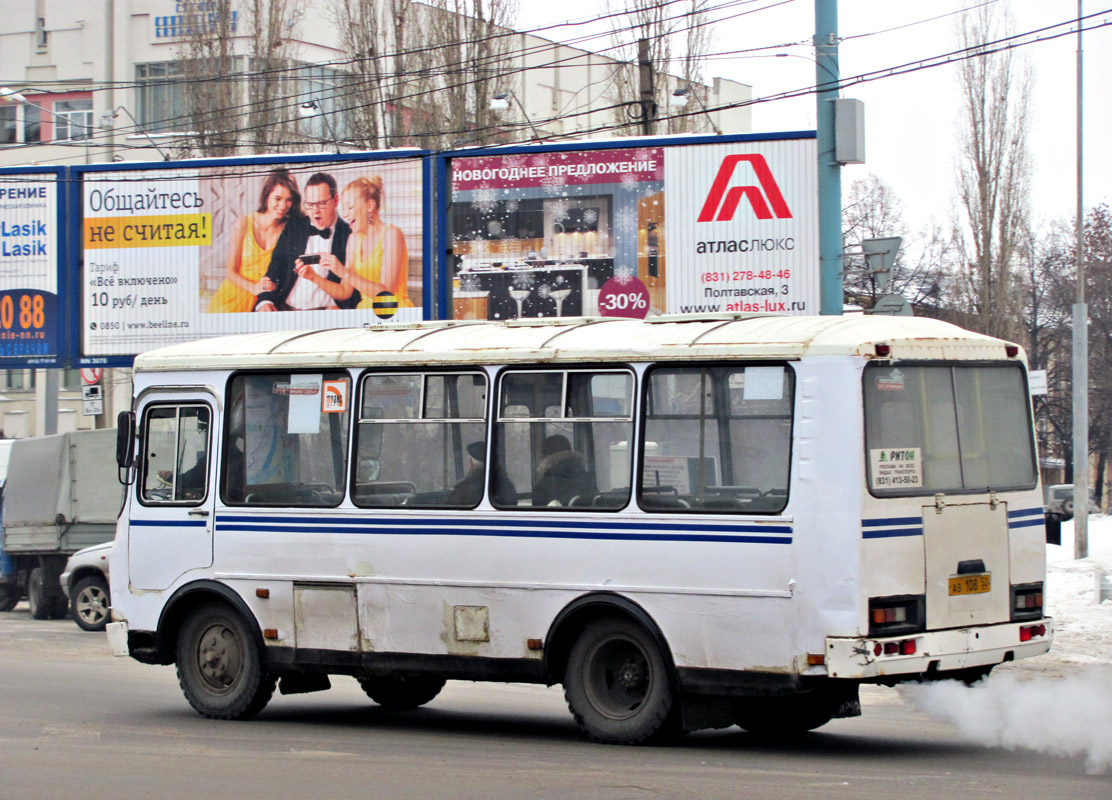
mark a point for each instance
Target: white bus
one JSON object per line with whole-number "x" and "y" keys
{"x": 688, "y": 523}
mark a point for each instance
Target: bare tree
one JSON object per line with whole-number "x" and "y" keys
{"x": 239, "y": 91}
{"x": 679, "y": 41}
{"x": 1098, "y": 296}
{"x": 873, "y": 210}
{"x": 992, "y": 172}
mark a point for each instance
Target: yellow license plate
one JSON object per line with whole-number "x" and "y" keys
{"x": 970, "y": 584}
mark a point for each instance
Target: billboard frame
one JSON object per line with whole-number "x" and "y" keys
{"x": 444, "y": 178}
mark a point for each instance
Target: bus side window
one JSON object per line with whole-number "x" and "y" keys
{"x": 176, "y": 454}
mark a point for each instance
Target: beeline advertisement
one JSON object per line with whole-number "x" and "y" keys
{"x": 28, "y": 270}
{"x": 181, "y": 254}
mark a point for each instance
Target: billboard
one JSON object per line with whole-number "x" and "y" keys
{"x": 29, "y": 257}
{"x": 170, "y": 255}
{"x": 678, "y": 228}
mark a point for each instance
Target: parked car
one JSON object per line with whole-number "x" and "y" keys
{"x": 85, "y": 583}
{"x": 1059, "y": 501}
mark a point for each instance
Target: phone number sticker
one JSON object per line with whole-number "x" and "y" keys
{"x": 896, "y": 467}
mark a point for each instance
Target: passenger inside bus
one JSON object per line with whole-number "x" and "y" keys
{"x": 562, "y": 474}
{"x": 469, "y": 491}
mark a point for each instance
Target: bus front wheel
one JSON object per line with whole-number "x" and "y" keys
{"x": 616, "y": 684}
{"x": 401, "y": 693}
{"x": 220, "y": 667}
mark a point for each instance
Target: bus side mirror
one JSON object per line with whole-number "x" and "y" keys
{"x": 125, "y": 439}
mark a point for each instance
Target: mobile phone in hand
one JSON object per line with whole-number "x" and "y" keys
{"x": 310, "y": 259}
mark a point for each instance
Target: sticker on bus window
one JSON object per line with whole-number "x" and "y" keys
{"x": 303, "y": 415}
{"x": 892, "y": 381}
{"x": 334, "y": 400}
{"x": 897, "y": 467}
{"x": 763, "y": 383}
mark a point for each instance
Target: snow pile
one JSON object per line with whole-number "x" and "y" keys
{"x": 1059, "y": 703}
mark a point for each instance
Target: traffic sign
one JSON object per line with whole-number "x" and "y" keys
{"x": 91, "y": 375}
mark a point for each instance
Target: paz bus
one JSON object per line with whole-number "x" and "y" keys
{"x": 687, "y": 522}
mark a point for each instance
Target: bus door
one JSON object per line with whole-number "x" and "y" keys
{"x": 967, "y": 563}
{"x": 170, "y": 530}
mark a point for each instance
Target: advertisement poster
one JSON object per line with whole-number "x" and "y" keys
{"x": 174, "y": 255}
{"x": 630, "y": 232}
{"x": 28, "y": 270}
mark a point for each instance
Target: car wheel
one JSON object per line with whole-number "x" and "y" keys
{"x": 401, "y": 693}
{"x": 219, "y": 665}
{"x": 89, "y": 603}
{"x": 617, "y": 684}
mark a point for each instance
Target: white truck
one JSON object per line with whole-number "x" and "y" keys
{"x": 61, "y": 495}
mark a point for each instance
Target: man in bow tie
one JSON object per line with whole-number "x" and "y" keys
{"x": 296, "y": 284}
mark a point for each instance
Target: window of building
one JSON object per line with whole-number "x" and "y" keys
{"x": 20, "y": 124}
{"x": 160, "y": 90}
{"x": 73, "y": 120}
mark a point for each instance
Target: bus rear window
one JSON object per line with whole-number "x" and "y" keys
{"x": 934, "y": 429}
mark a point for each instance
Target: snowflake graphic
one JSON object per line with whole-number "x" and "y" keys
{"x": 543, "y": 290}
{"x": 590, "y": 216}
{"x": 480, "y": 249}
{"x": 541, "y": 161}
{"x": 629, "y": 182}
{"x": 469, "y": 283}
{"x": 485, "y": 198}
{"x": 524, "y": 280}
{"x": 514, "y": 162}
{"x": 559, "y": 210}
{"x": 494, "y": 227}
{"x": 624, "y": 275}
{"x": 511, "y": 206}
{"x": 625, "y": 219}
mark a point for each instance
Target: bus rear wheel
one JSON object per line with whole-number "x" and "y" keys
{"x": 219, "y": 665}
{"x": 401, "y": 693}
{"x": 617, "y": 684}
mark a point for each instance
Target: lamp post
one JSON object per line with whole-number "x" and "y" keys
{"x": 679, "y": 100}
{"x": 107, "y": 122}
{"x": 313, "y": 109}
{"x": 501, "y": 101}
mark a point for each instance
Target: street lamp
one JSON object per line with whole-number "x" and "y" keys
{"x": 501, "y": 101}
{"x": 108, "y": 119}
{"x": 679, "y": 100}
{"x": 311, "y": 109}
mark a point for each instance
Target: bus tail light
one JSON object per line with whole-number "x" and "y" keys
{"x": 1027, "y": 601}
{"x": 1029, "y": 632}
{"x": 895, "y": 615}
{"x": 907, "y": 647}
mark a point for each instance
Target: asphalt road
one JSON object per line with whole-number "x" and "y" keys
{"x": 77, "y": 723}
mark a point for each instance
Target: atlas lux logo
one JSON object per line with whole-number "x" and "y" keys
{"x": 725, "y": 203}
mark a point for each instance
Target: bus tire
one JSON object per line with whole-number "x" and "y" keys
{"x": 89, "y": 603}
{"x": 9, "y": 596}
{"x": 219, "y": 665}
{"x": 617, "y": 684}
{"x": 401, "y": 693}
{"x": 780, "y": 717}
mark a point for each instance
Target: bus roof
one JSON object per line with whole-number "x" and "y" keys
{"x": 659, "y": 338}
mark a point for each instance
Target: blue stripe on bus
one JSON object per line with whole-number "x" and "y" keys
{"x": 1027, "y": 523}
{"x": 554, "y": 529}
{"x": 889, "y": 533}
{"x": 1027, "y": 512}
{"x": 168, "y": 523}
{"x": 530, "y": 524}
{"x": 877, "y": 523}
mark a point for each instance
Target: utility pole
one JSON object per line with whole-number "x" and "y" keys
{"x": 829, "y": 170}
{"x": 1080, "y": 356}
{"x": 648, "y": 89}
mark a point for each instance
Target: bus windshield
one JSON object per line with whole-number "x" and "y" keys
{"x": 936, "y": 429}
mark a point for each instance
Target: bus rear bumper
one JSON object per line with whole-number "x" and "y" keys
{"x": 937, "y": 652}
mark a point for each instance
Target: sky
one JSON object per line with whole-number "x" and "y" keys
{"x": 911, "y": 120}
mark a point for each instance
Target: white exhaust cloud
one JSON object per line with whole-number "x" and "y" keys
{"x": 1069, "y": 716}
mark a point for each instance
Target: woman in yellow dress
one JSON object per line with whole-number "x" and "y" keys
{"x": 377, "y": 258}
{"x": 252, "y": 242}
